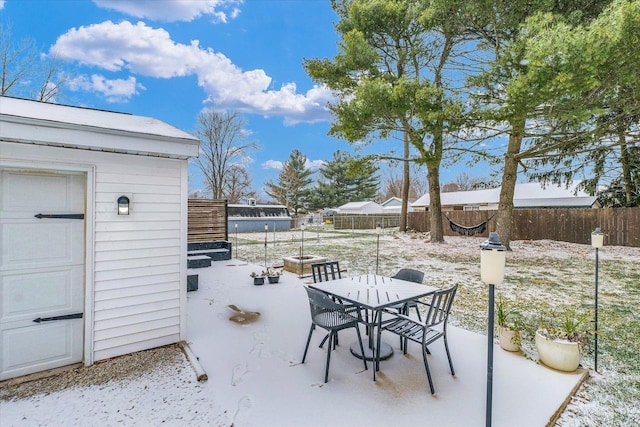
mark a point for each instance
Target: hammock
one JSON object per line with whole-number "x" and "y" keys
{"x": 469, "y": 231}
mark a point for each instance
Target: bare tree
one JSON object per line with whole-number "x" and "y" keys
{"x": 467, "y": 182}
{"x": 223, "y": 147}
{"x": 237, "y": 184}
{"x": 392, "y": 185}
{"x": 26, "y": 73}
{"x": 53, "y": 78}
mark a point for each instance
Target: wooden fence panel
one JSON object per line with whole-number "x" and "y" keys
{"x": 207, "y": 220}
{"x": 620, "y": 225}
{"x": 365, "y": 221}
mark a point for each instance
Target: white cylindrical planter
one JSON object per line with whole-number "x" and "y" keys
{"x": 507, "y": 340}
{"x": 558, "y": 354}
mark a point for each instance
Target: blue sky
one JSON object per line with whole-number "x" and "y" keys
{"x": 170, "y": 59}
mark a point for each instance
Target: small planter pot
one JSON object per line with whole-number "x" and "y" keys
{"x": 558, "y": 354}
{"x": 258, "y": 281}
{"x": 273, "y": 279}
{"x": 507, "y": 339}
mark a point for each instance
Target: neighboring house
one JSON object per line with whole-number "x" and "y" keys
{"x": 527, "y": 196}
{"x": 93, "y": 230}
{"x": 393, "y": 201}
{"x": 360, "y": 208}
{"x": 394, "y": 205}
{"x": 252, "y": 217}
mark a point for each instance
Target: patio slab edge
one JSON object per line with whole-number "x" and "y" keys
{"x": 584, "y": 375}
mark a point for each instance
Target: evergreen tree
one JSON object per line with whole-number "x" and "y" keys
{"x": 345, "y": 179}
{"x": 292, "y": 188}
{"x": 390, "y": 77}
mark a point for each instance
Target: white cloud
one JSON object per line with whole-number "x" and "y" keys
{"x": 1, "y": 4}
{"x": 314, "y": 164}
{"x": 175, "y": 10}
{"x": 309, "y": 164}
{"x": 272, "y": 164}
{"x": 115, "y": 90}
{"x": 148, "y": 51}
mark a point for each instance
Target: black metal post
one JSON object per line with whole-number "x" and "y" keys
{"x": 377, "y": 250}
{"x": 490, "y": 356}
{"x": 302, "y": 251}
{"x": 236, "y": 224}
{"x": 266, "y": 230}
{"x": 595, "y": 334}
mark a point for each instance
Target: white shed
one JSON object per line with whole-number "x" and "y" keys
{"x": 81, "y": 281}
{"x": 360, "y": 208}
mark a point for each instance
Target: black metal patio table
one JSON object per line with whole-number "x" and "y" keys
{"x": 373, "y": 292}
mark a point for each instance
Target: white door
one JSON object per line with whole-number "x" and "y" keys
{"x": 41, "y": 270}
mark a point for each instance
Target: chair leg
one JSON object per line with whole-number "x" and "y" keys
{"x": 326, "y": 372}
{"x": 446, "y": 347}
{"x": 418, "y": 312}
{"x": 308, "y": 341}
{"x": 364, "y": 359}
{"x": 401, "y": 310}
{"x": 426, "y": 367}
{"x": 324, "y": 340}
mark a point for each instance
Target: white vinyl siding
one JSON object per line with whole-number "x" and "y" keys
{"x": 137, "y": 256}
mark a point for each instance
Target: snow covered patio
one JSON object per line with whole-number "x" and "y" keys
{"x": 256, "y": 378}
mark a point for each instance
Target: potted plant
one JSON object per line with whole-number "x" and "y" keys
{"x": 511, "y": 325}
{"x": 273, "y": 275}
{"x": 560, "y": 342}
{"x": 258, "y": 278}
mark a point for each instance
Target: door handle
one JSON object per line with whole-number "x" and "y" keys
{"x": 60, "y": 216}
{"x": 63, "y": 317}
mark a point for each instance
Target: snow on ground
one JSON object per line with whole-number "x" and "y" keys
{"x": 255, "y": 375}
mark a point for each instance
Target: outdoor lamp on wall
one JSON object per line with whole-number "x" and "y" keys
{"x": 123, "y": 205}
{"x": 597, "y": 241}
{"x": 492, "y": 261}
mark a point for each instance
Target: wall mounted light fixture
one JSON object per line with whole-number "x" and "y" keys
{"x": 123, "y": 205}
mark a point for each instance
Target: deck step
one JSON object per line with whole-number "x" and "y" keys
{"x": 198, "y": 261}
{"x": 214, "y": 254}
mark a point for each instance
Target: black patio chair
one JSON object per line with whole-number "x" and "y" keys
{"x": 330, "y": 270}
{"x": 424, "y": 332}
{"x": 410, "y": 275}
{"x": 324, "y": 271}
{"x": 332, "y": 317}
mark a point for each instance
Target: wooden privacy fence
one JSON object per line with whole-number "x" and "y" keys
{"x": 620, "y": 225}
{"x": 365, "y": 221}
{"x": 207, "y": 220}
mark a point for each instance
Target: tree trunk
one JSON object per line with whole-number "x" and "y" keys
{"x": 626, "y": 169}
{"x": 509, "y": 177}
{"x": 406, "y": 182}
{"x": 435, "y": 206}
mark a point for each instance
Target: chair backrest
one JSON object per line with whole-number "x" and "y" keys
{"x": 325, "y": 271}
{"x": 320, "y": 304}
{"x": 410, "y": 275}
{"x": 441, "y": 303}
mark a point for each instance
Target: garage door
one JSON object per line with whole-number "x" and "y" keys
{"x": 41, "y": 270}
